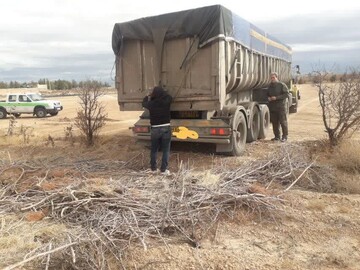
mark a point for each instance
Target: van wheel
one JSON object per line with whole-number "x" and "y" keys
{"x": 264, "y": 121}
{"x": 238, "y": 136}
{"x": 3, "y": 114}
{"x": 254, "y": 119}
{"x": 40, "y": 112}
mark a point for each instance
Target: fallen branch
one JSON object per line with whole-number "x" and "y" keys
{"x": 16, "y": 265}
{"x": 299, "y": 177}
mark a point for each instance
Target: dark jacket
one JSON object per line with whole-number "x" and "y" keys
{"x": 281, "y": 92}
{"x": 158, "y": 104}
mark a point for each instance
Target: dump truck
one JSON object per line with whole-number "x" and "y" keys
{"x": 214, "y": 64}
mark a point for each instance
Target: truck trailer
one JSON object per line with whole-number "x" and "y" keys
{"x": 214, "y": 64}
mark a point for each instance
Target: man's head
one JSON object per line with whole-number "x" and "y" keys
{"x": 274, "y": 77}
{"x": 157, "y": 92}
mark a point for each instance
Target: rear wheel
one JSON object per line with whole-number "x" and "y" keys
{"x": 264, "y": 121}
{"x": 40, "y": 112}
{"x": 293, "y": 108}
{"x": 3, "y": 113}
{"x": 254, "y": 119}
{"x": 238, "y": 136}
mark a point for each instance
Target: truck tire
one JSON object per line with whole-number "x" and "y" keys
{"x": 40, "y": 112}
{"x": 238, "y": 136}
{"x": 3, "y": 113}
{"x": 264, "y": 121}
{"x": 287, "y": 107}
{"x": 17, "y": 115}
{"x": 54, "y": 113}
{"x": 254, "y": 121}
{"x": 293, "y": 108}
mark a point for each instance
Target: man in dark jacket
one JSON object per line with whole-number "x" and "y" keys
{"x": 277, "y": 95}
{"x": 158, "y": 104}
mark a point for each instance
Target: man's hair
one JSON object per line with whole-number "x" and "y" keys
{"x": 274, "y": 74}
{"x": 158, "y": 92}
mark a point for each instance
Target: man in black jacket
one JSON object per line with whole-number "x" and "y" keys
{"x": 277, "y": 94}
{"x": 158, "y": 104}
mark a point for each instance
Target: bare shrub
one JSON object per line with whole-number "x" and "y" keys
{"x": 333, "y": 78}
{"x": 69, "y": 136}
{"x": 340, "y": 104}
{"x": 91, "y": 117}
{"x": 26, "y": 132}
{"x": 12, "y": 124}
{"x": 50, "y": 141}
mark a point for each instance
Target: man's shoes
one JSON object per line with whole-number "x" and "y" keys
{"x": 275, "y": 139}
{"x": 284, "y": 139}
{"x": 166, "y": 173}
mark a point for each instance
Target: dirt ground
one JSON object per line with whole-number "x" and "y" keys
{"x": 312, "y": 230}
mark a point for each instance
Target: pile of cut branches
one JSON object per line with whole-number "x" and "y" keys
{"x": 138, "y": 207}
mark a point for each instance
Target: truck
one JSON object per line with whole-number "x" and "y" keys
{"x": 214, "y": 64}
{"x": 28, "y": 103}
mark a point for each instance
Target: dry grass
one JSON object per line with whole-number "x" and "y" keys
{"x": 101, "y": 165}
{"x": 344, "y": 162}
{"x": 316, "y": 205}
{"x": 347, "y": 156}
{"x": 19, "y": 236}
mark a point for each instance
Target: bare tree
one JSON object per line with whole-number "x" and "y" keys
{"x": 91, "y": 117}
{"x": 340, "y": 104}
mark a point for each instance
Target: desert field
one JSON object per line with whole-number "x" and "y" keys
{"x": 313, "y": 224}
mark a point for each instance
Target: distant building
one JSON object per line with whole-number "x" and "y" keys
{"x": 42, "y": 86}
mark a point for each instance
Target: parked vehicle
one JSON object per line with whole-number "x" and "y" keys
{"x": 29, "y": 103}
{"x": 216, "y": 66}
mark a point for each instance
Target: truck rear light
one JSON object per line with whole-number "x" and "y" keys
{"x": 139, "y": 129}
{"x": 220, "y": 131}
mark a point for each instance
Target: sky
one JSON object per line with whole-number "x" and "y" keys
{"x": 71, "y": 39}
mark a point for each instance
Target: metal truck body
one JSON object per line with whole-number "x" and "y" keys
{"x": 214, "y": 64}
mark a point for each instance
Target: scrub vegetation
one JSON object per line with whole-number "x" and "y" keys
{"x": 284, "y": 206}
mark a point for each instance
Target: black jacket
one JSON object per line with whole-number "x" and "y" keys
{"x": 281, "y": 92}
{"x": 158, "y": 104}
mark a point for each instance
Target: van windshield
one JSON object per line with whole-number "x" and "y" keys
{"x": 35, "y": 97}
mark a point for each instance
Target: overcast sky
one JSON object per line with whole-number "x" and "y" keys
{"x": 71, "y": 39}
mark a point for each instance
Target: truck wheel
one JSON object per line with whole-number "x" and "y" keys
{"x": 254, "y": 119}
{"x": 40, "y": 112}
{"x": 3, "y": 114}
{"x": 264, "y": 121}
{"x": 54, "y": 113}
{"x": 238, "y": 137}
{"x": 287, "y": 107}
{"x": 17, "y": 115}
{"x": 293, "y": 108}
